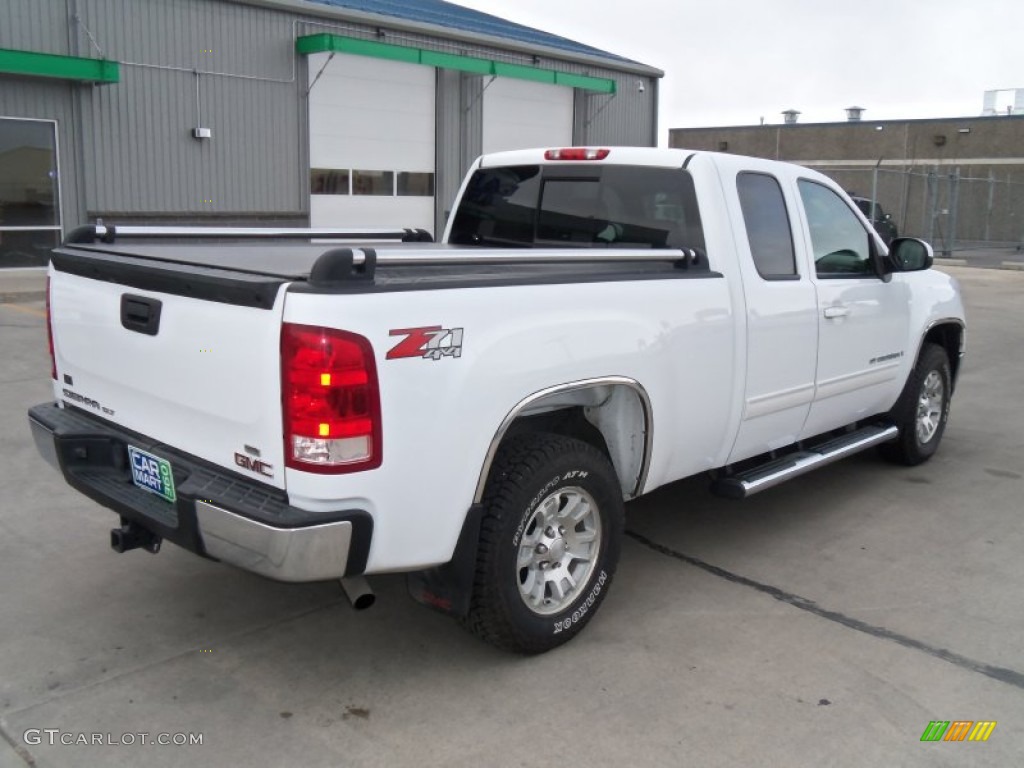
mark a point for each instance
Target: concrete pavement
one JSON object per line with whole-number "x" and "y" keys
{"x": 824, "y": 622}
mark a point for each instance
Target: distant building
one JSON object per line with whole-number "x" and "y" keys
{"x": 949, "y": 179}
{"x": 326, "y": 112}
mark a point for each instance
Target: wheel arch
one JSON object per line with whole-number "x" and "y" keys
{"x": 612, "y": 413}
{"x": 948, "y": 333}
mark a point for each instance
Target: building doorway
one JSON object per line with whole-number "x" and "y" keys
{"x": 30, "y": 223}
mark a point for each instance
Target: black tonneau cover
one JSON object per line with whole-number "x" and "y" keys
{"x": 251, "y": 273}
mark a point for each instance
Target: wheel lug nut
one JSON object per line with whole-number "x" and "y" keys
{"x": 549, "y": 532}
{"x": 541, "y": 549}
{"x": 561, "y": 530}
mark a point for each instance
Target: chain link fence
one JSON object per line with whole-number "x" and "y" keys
{"x": 954, "y": 208}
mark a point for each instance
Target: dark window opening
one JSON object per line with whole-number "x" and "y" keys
{"x": 30, "y": 223}
{"x": 415, "y": 184}
{"x": 620, "y": 206}
{"x": 373, "y": 183}
{"x": 767, "y": 224}
{"x": 327, "y": 181}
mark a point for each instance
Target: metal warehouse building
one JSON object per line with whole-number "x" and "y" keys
{"x": 284, "y": 112}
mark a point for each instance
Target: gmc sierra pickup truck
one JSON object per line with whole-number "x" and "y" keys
{"x": 595, "y": 323}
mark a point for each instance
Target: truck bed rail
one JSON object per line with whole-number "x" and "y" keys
{"x": 93, "y": 233}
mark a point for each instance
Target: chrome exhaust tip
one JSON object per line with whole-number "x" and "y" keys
{"x": 358, "y": 592}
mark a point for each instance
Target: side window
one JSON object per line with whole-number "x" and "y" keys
{"x": 767, "y": 222}
{"x": 840, "y": 241}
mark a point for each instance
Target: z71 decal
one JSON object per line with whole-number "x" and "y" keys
{"x": 429, "y": 343}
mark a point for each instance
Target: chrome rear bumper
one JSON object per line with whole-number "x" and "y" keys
{"x": 217, "y": 514}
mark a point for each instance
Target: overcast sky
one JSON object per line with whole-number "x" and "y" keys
{"x": 734, "y": 62}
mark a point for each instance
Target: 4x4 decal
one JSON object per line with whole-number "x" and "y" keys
{"x": 429, "y": 343}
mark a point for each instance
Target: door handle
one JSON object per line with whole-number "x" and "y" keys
{"x": 831, "y": 312}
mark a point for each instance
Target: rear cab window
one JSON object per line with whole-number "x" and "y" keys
{"x": 767, "y": 223}
{"x": 579, "y": 205}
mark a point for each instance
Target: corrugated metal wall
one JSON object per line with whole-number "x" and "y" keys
{"x": 134, "y": 156}
{"x": 35, "y": 25}
{"x": 448, "y": 138}
{"x": 460, "y": 109}
{"x": 628, "y": 117}
{"x": 140, "y": 153}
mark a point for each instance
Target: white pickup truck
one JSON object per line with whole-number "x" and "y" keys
{"x": 595, "y": 324}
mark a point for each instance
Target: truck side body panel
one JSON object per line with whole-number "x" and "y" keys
{"x": 673, "y": 336}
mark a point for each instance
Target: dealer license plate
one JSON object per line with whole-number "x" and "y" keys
{"x": 151, "y": 473}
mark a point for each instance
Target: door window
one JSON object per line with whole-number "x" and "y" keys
{"x": 767, "y": 223}
{"x": 29, "y": 198}
{"x": 839, "y": 240}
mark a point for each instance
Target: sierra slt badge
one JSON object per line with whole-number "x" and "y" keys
{"x": 429, "y": 343}
{"x": 88, "y": 402}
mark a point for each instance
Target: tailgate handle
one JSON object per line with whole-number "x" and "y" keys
{"x": 140, "y": 314}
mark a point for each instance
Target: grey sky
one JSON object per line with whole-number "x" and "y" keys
{"x": 731, "y": 63}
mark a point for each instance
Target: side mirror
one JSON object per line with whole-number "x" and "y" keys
{"x": 908, "y": 254}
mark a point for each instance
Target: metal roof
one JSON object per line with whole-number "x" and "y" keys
{"x": 442, "y": 14}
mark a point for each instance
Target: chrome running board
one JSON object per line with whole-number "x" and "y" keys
{"x": 784, "y": 468}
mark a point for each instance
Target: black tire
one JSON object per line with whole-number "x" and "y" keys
{"x": 557, "y": 473}
{"x": 910, "y": 448}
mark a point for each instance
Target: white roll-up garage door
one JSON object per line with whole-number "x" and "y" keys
{"x": 520, "y": 114}
{"x": 371, "y": 143}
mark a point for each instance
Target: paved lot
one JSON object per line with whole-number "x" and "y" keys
{"x": 825, "y": 622}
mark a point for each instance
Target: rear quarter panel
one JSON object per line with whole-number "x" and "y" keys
{"x": 675, "y": 337}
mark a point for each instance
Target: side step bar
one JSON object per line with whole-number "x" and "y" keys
{"x": 779, "y": 470}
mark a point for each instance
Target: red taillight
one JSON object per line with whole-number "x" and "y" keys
{"x": 576, "y": 153}
{"x": 49, "y": 332}
{"x": 330, "y": 399}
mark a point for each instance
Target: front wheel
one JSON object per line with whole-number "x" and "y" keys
{"x": 549, "y": 542}
{"x": 922, "y": 410}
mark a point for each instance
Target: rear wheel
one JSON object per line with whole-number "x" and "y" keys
{"x": 549, "y": 542}
{"x": 922, "y": 410}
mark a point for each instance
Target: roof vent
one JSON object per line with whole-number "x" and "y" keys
{"x": 853, "y": 114}
{"x": 790, "y": 116}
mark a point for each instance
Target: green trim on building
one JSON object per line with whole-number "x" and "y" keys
{"x": 521, "y": 72}
{"x": 469, "y": 64}
{"x": 60, "y": 67}
{"x": 328, "y": 43}
{"x": 585, "y": 82}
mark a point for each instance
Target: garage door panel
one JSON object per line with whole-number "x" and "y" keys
{"x": 403, "y": 96}
{"x": 356, "y": 211}
{"x": 374, "y": 115}
{"x": 519, "y": 114}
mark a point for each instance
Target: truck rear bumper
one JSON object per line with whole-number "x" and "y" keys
{"x": 216, "y": 514}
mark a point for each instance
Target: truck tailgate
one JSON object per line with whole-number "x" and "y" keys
{"x": 198, "y": 374}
